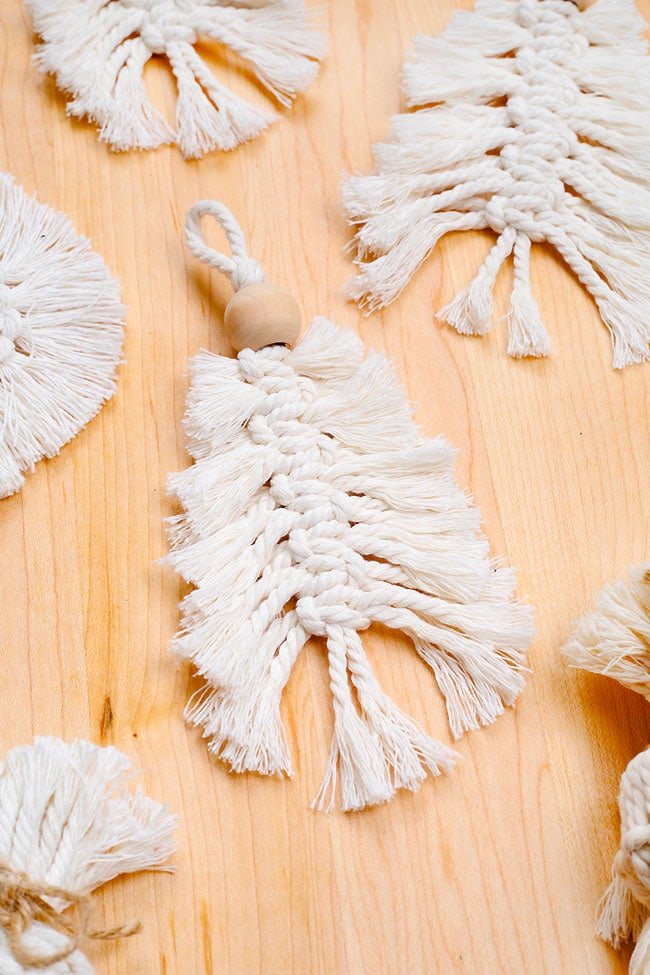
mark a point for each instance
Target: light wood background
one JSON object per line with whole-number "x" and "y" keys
{"x": 496, "y": 868}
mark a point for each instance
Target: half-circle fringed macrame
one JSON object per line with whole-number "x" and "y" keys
{"x": 68, "y": 824}
{"x": 97, "y": 50}
{"x": 532, "y": 119}
{"x": 315, "y": 507}
{"x": 60, "y": 333}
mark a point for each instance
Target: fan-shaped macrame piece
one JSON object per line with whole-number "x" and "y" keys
{"x": 60, "y": 333}
{"x": 532, "y": 119}
{"x": 316, "y": 508}
{"x": 97, "y": 50}
{"x": 614, "y": 639}
{"x": 68, "y": 821}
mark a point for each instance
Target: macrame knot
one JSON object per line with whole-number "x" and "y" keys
{"x": 24, "y": 902}
{"x": 11, "y": 325}
{"x": 633, "y": 861}
{"x": 246, "y": 270}
{"x": 164, "y": 24}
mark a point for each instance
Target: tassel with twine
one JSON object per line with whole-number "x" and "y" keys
{"x": 97, "y": 50}
{"x": 61, "y": 329}
{"x": 68, "y": 825}
{"x": 315, "y": 508}
{"x": 532, "y": 119}
{"x": 614, "y": 640}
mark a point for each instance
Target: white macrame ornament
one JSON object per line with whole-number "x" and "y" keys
{"x": 60, "y": 333}
{"x": 68, "y": 824}
{"x": 614, "y": 640}
{"x": 316, "y": 508}
{"x": 533, "y": 120}
{"x": 97, "y": 50}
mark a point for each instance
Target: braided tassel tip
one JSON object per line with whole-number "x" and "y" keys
{"x": 316, "y": 508}
{"x": 61, "y": 327}
{"x": 68, "y": 824}
{"x": 97, "y": 50}
{"x": 531, "y": 119}
{"x": 624, "y": 911}
{"x": 614, "y": 639}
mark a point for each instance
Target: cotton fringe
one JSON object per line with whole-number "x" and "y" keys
{"x": 60, "y": 333}
{"x": 624, "y": 911}
{"x": 69, "y": 821}
{"x": 98, "y": 49}
{"x": 315, "y": 508}
{"x": 614, "y": 639}
{"x": 532, "y": 119}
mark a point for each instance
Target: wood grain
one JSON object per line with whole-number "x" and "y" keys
{"x": 496, "y": 868}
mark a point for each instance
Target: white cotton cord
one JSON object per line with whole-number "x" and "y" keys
{"x": 316, "y": 508}
{"x": 538, "y": 132}
{"x": 68, "y": 822}
{"x": 61, "y": 330}
{"x": 624, "y": 911}
{"x": 614, "y": 638}
{"x": 241, "y": 269}
{"x": 97, "y": 51}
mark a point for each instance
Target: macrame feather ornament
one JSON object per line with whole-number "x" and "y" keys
{"x": 316, "y": 508}
{"x": 97, "y": 50}
{"x": 60, "y": 333}
{"x": 532, "y": 119}
{"x": 614, "y": 640}
{"x": 68, "y": 824}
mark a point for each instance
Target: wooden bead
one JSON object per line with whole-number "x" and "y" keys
{"x": 261, "y": 315}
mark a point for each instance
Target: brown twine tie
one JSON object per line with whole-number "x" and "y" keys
{"x": 22, "y": 903}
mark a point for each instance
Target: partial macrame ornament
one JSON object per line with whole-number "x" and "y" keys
{"x": 614, "y": 640}
{"x": 533, "y": 120}
{"x": 97, "y": 50}
{"x": 68, "y": 824}
{"x": 61, "y": 327}
{"x": 316, "y": 508}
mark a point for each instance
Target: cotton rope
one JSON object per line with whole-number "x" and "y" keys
{"x": 68, "y": 824}
{"x": 315, "y": 508}
{"x": 98, "y": 49}
{"x": 532, "y": 119}
{"x": 61, "y": 325}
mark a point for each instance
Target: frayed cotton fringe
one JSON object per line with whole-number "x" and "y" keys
{"x": 315, "y": 508}
{"x": 68, "y": 820}
{"x": 623, "y": 913}
{"x": 97, "y": 50}
{"x": 60, "y": 333}
{"x": 533, "y": 120}
{"x": 614, "y": 639}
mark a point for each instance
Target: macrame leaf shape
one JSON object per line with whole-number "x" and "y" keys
{"x": 316, "y": 508}
{"x": 532, "y": 119}
{"x": 614, "y": 638}
{"x": 61, "y": 328}
{"x": 98, "y": 49}
{"x": 68, "y": 822}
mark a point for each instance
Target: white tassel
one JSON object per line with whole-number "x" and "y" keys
{"x": 316, "y": 508}
{"x": 68, "y": 824}
{"x": 624, "y": 911}
{"x": 60, "y": 333}
{"x": 614, "y": 639}
{"x": 97, "y": 50}
{"x": 564, "y": 159}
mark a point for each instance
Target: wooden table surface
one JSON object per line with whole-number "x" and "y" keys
{"x": 495, "y": 869}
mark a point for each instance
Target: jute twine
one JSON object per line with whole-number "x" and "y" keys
{"x": 23, "y": 903}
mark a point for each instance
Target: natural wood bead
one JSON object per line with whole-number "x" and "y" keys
{"x": 261, "y": 315}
